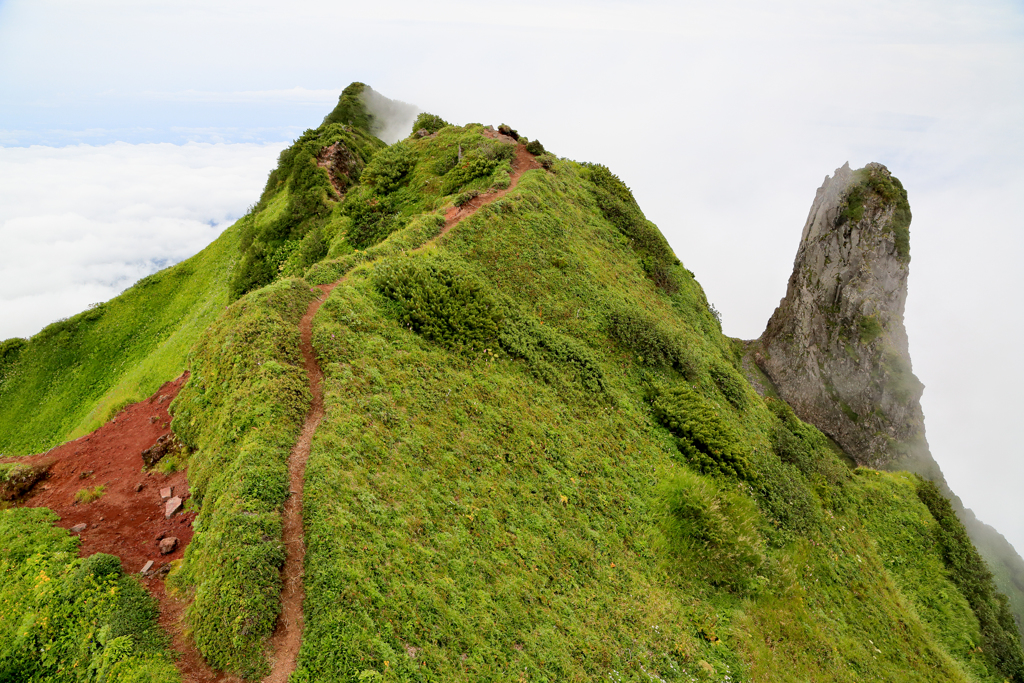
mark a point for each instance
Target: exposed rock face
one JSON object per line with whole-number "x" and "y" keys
{"x": 836, "y": 348}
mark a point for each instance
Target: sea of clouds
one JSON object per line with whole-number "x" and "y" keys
{"x": 80, "y": 224}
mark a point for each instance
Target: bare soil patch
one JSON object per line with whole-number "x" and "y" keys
{"x": 128, "y": 519}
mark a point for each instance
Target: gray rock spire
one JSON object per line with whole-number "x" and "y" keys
{"x": 836, "y": 348}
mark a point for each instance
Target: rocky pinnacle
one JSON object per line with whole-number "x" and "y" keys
{"x": 836, "y": 348}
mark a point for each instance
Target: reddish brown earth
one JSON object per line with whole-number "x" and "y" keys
{"x": 124, "y": 521}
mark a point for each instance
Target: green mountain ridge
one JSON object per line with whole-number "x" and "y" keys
{"x": 540, "y": 459}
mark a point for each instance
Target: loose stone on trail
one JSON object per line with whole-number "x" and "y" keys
{"x": 172, "y": 506}
{"x": 146, "y": 567}
{"x": 168, "y": 545}
{"x": 167, "y": 492}
{"x": 79, "y": 528}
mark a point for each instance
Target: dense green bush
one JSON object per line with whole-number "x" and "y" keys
{"x": 441, "y": 300}
{"x": 70, "y": 620}
{"x": 388, "y": 168}
{"x": 505, "y": 129}
{"x": 653, "y": 344}
{"x": 429, "y": 123}
{"x": 1002, "y": 645}
{"x": 702, "y": 436}
{"x": 714, "y": 532}
{"x": 552, "y": 356}
{"x": 729, "y": 382}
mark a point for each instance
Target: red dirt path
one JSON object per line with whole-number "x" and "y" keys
{"x": 524, "y": 161}
{"x": 287, "y": 636}
{"x": 126, "y": 522}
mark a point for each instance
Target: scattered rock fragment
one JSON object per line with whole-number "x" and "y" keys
{"x": 168, "y": 545}
{"x": 139, "y": 487}
{"x": 166, "y": 493}
{"x": 86, "y": 474}
{"x": 79, "y": 528}
{"x": 146, "y": 567}
{"x": 172, "y": 506}
{"x": 164, "y": 446}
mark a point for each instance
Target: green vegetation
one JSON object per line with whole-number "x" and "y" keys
{"x": 999, "y": 636}
{"x": 286, "y": 231}
{"x": 67, "y": 619}
{"x": 78, "y": 373}
{"x": 90, "y": 495}
{"x": 868, "y": 329}
{"x": 241, "y": 412}
{"x": 618, "y": 206}
{"x": 539, "y": 460}
{"x": 429, "y": 123}
{"x": 874, "y": 183}
{"x": 350, "y": 110}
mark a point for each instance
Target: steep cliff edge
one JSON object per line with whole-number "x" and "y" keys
{"x": 836, "y": 348}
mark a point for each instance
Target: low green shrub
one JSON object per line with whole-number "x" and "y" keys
{"x": 711, "y": 531}
{"x": 90, "y": 495}
{"x": 554, "y": 357}
{"x": 465, "y": 197}
{"x": 730, "y": 383}
{"x": 505, "y": 129}
{"x": 440, "y": 300}
{"x": 373, "y": 218}
{"x": 702, "y": 436}
{"x": 429, "y": 122}
{"x": 534, "y": 147}
{"x": 654, "y": 344}
{"x": 868, "y": 329}
{"x": 70, "y": 620}
{"x": 469, "y": 169}
{"x": 388, "y": 168}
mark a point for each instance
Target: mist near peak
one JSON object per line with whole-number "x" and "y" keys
{"x": 392, "y": 119}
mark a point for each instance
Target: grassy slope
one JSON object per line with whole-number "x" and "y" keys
{"x": 241, "y": 411}
{"x": 478, "y": 511}
{"x": 76, "y": 374}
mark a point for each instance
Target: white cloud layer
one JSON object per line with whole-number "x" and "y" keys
{"x": 722, "y": 117}
{"x": 80, "y": 224}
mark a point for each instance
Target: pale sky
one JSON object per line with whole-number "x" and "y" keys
{"x": 132, "y": 133}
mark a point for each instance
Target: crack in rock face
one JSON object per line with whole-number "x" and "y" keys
{"x": 836, "y": 347}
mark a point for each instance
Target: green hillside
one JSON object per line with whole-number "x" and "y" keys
{"x": 540, "y": 459}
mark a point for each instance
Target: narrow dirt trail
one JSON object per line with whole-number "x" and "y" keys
{"x": 524, "y": 161}
{"x": 287, "y": 638}
{"x": 288, "y": 634}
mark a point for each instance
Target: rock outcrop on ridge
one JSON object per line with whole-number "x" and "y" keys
{"x": 836, "y": 348}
